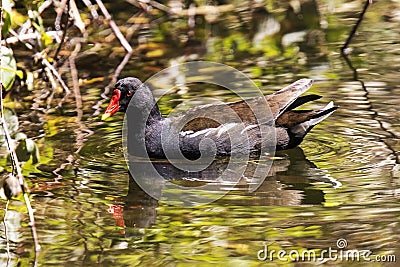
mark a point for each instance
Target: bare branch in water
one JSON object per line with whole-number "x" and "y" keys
{"x": 6, "y": 233}
{"x": 44, "y": 6}
{"x": 60, "y": 10}
{"x": 76, "y": 16}
{"x": 376, "y": 117}
{"x": 114, "y": 27}
{"x": 17, "y": 170}
{"x": 115, "y": 76}
{"x": 64, "y": 34}
{"x": 23, "y": 37}
{"x": 344, "y": 48}
{"x": 92, "y": 9}
{"x": 18, "y": 36}
{"x": 57, "y": 75}
{"x": 81, "y": 131}
{"x": 364, "y": 87}
{"x": 155, "y": 4}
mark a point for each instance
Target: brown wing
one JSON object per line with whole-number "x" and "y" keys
{"x": 211, "y": 116}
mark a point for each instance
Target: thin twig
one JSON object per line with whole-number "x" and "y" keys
{"x": 23, "y": 37}
{"x": 191, "y": 20}
{"x": 143, "y": 5}
{"x": 64, "y": 34}
{"x": 60, "y": 11}
{"x": 370, "y": 105}
{"x": 355, "y": 27}
{"x": 134, "y": 3}
{"x": 160, "y": 6}
{"x": 79, "y": 131}
{"x": 57, "y": 75}
{"x": 375, "y": 116}
{"x": 75, "y": 78}
{"x": 16, "y": 35}
{"x": 17, "y": 169}
{"x": 6, "y": 232}
{"x": 135, "y": 27}
{"x": 118, "y": 70}
{"x": 74, "y": 13}
{"x": 53, "y": 86}
{"x": 114, "y": 78}
{"x": 114, "y": 27}
{"x": 44, "y": 6}
{"x": 92, "y": 9}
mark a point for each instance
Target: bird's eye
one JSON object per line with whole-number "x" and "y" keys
{"x": 130, "y": 93}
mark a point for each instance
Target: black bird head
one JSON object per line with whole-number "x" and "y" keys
{"x": 122, "y": 95}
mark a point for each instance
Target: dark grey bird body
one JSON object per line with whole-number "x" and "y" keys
{"x": 212, "y": 132}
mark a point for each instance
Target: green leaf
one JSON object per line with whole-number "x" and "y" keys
{"x": 7, "y": 10}
{"x": 6, "y": 23}
{"x": 35, "y": 155}
{"x": 46, "y": 39}
{"x": 8, "y": 68}
{"x": 20, "y": 74}
{"x": 22, "y": 151}
{"x": 27, "y": 148}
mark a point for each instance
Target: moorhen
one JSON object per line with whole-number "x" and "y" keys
{"x": 152, "y": 135}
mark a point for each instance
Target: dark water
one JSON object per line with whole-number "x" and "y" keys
{"x": 342, "y": 183}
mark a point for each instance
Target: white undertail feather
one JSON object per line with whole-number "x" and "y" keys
{"x": 302, "y": 128}
{"x": 319, "y": 119}
{"x": 299, "y": 87}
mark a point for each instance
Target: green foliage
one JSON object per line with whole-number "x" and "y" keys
{"x": 37, "y": 23}
{"x": 26, "y": 149}
{"x": 13, "y": 19}
{"x": 8, "y": 68}
{"x": 7, "y": 10}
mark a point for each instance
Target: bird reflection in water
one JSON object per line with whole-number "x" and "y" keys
{"x": 288, "y": 183}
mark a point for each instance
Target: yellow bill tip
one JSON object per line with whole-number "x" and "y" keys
{"x": 105, "y": 116}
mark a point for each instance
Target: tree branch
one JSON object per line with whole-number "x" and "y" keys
{"x": 344, "y": 49}
{"x": 114, "y": 27}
